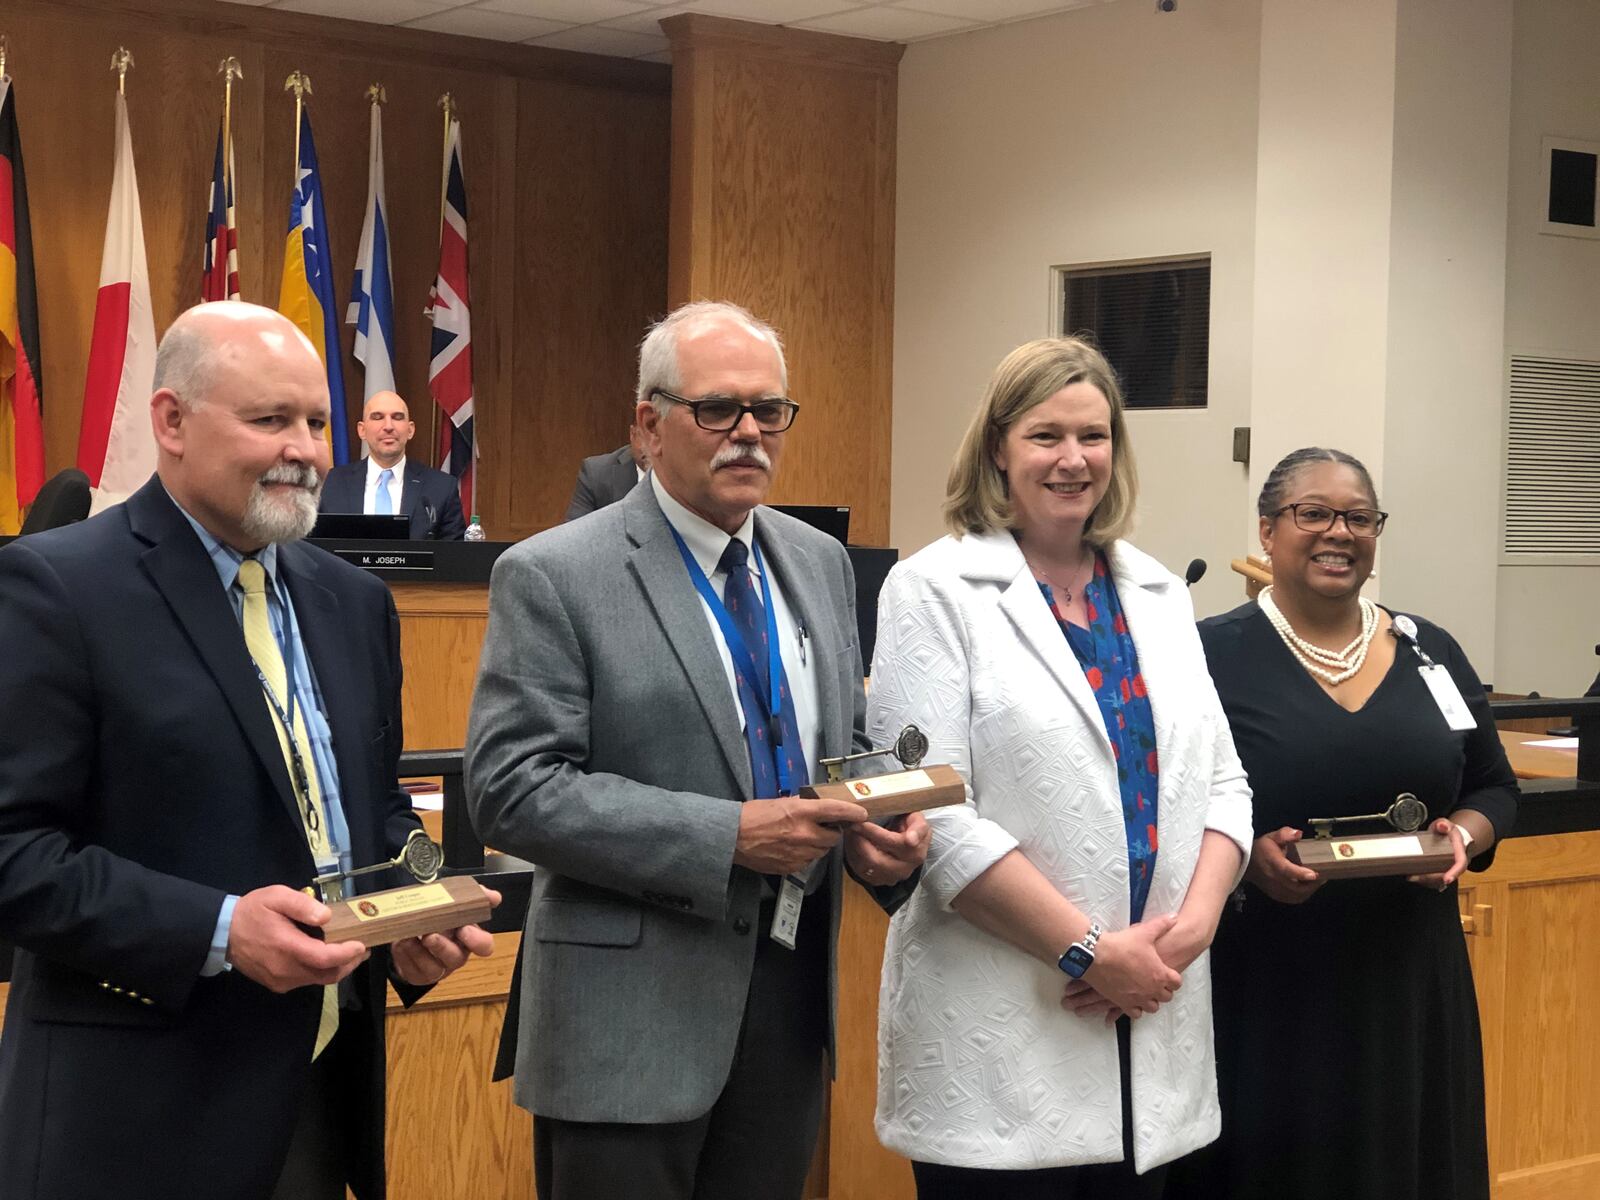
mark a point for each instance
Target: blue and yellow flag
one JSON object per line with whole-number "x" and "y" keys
{"x": 306, "y": 293}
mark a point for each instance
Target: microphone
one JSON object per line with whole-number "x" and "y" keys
{"x": 433, "y": 523}
{"x": 1193, "y": 573}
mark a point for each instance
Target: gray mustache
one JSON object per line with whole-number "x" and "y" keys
{"x": 729, "y": 456}
{"x": 300, "y": 474}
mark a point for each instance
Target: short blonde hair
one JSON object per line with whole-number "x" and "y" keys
{"x": 977, "y": 499}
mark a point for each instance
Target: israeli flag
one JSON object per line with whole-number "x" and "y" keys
{"x": 371, "y": 308}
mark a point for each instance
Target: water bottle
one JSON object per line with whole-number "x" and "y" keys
{"x": 474, "y": 530}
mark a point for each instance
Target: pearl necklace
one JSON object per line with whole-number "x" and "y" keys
{"x": 1332, "y": 666}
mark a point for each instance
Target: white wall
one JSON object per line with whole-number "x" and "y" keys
{"x": 1443, "y": 434}
{"x": 1325, "y": 157}
{"x": 1346, "y": 164}
{"x": 1101, "y": 134}
{"x": 1548, "y": 618}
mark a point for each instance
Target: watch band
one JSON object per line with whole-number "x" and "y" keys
{"x": 1079, "y": 957}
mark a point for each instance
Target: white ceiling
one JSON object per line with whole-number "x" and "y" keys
{"x": 628, "y": 28}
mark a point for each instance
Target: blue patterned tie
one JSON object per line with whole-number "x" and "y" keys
{"x": 743, "y": 602}
{"x": 382, "y": 502}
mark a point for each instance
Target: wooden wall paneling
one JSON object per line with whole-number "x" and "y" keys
{"x": 784, "y": 201}
{"x": 607, "y": 115}
{"x": 591, "y": 275}
{"x": 59, "y": 65}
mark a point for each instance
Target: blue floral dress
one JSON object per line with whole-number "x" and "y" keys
{"x": 1106, "y": 653}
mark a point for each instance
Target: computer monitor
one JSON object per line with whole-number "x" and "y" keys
{"x": 362, "y": 527}
{"x": 832, "y": 519}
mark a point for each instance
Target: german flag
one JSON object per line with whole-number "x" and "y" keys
{"x": 21, "y": 401}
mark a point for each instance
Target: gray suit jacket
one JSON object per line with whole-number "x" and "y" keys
{"x": 602, "y": 479}
{"x": 605, "y": 747}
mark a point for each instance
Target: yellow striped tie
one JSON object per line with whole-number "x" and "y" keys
{"x": 264, "y": 650}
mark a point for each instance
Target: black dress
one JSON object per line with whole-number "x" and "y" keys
{"x": 1348, "y": 1056}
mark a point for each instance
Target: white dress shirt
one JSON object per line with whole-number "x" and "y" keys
{"x": 706, "y": 543}
{"x": 369, "y": 494}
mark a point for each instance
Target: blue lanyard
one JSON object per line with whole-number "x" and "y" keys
{"x": 772, "y": 704}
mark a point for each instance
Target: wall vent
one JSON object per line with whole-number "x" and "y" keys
{"x": 1553, "y": 457}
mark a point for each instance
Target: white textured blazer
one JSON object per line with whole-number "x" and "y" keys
{"x": 978, "y": 1065}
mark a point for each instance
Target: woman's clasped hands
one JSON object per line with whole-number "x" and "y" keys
{"x": 1135, "y": 970}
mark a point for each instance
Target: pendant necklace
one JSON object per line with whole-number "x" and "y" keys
{"x": 1066, "y": 592}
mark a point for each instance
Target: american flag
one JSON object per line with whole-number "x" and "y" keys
{"x": 220, "y": 279}
{"x": 450, "y": 368}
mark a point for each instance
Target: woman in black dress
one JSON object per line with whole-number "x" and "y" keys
{"x": 1348, "y": 1055}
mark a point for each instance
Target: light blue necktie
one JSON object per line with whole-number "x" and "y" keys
{"x": 383, "y": 503}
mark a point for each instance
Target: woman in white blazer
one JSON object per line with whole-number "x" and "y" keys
{"x": 1045, "y": 1019}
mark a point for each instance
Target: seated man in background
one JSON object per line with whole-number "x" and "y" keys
{"x": 606, "y": 478}
{"x": 388, "y": 483}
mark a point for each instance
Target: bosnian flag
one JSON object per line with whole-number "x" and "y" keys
{"x": 371, "y": 308}
{"x": 305, "y": 293}
{"x": 116, "y": 447}
{"x": 220, "y": 276}
{"x": 450, "y": 368}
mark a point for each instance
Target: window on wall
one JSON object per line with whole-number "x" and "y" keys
{"x": 1151, "y": 320}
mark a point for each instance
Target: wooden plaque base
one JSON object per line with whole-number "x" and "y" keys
{"x": 379, "y": 918}
{"x": 1369, "y": 855}
{"x": 896, "y": 794}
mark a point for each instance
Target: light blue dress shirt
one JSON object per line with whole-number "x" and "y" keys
{"x": 308, "y": 698}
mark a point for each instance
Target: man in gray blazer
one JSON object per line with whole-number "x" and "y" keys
{"x": 606, "y": 478}
{"x": 677, "y": 977}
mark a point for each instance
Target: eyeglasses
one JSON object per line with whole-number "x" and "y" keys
{"x": 1319, "y": 518}
{"x": 719, "y": 415}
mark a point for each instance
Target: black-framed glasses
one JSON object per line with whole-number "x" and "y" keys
{"x": 1319, "y": 518}
{"x": 717, "y": 414}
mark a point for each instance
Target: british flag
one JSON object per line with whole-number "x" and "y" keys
{"x": 450, "y": 368}
{"x": 220, "y": 278}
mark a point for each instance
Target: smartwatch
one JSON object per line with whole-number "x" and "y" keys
{"x": 1079, "y": 956}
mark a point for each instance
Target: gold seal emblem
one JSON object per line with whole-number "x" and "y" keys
{"x": 368, "y": 908}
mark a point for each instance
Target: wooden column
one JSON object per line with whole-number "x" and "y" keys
{"x": 783, "y": 161}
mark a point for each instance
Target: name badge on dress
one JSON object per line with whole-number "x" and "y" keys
{"x": 1443, "y": 688}
{"x": 1448, "y": 697}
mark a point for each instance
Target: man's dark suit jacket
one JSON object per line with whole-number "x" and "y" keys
{"x": 429, "y": 497}
{"x": 603, "y": 479}
{"x": 141, "y": 781}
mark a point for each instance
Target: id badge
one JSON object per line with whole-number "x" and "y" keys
{"x": 786, "y": 916}
{"x": 1448, "y": 697}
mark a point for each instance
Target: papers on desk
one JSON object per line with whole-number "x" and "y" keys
{"x": 427, "y": 801}
{"x": 1570, "y": 743}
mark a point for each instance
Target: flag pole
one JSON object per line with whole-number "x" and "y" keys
{"x": 121, "y": 61}
{"x": 300, "y": 84}
{"x": 230, "y": 70}
{"x": 448, "y": 103}
{"x": 5, "y": 49}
